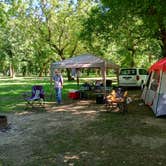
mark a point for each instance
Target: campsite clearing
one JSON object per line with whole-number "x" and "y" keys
{"x": 82, "y": 133}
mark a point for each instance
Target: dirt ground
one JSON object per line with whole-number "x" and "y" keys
{"x": 25, "y": 127}
{"x": 67, "y": 135}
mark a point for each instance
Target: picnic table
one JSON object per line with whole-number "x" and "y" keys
{"x": 117, "y": 99}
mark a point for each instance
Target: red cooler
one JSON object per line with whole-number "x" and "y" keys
{"x": 74, "y": 94}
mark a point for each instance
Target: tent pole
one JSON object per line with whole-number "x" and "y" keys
{"x": 78, "y": 82}
{"x": 104, "y": 77}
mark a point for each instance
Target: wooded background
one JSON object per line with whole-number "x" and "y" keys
{"x": 35, "y": 33}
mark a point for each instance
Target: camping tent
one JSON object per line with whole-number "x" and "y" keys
{"x": 85, "y": 61}
{"x": 154, "y": 93}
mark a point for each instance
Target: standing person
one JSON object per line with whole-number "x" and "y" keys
{"x": 58, "y": 84}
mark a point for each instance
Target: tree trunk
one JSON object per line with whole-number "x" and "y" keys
{"x": 68, "y": 75}
{"x": 132, "y": 50}
{"x": 88, "y": 72}
{"x": 150, "y": 58}
{"x": 132, "y": 58}
{"x": 40, "y": 73}
{"x": 163, "y": 39}
{"x": 11, "y": 70}
{"x": 24, "y": 71}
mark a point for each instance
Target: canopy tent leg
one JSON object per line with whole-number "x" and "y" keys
{"x": 104, "y": 75}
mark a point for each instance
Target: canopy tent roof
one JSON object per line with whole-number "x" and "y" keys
{"x": 159, "y": 65}
{"x": 84, "y": 61}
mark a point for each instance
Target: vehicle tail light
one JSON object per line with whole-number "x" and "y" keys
{"x": 137, "y": 78}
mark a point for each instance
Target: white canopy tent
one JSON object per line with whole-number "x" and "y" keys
{"x": 85, "y": 61}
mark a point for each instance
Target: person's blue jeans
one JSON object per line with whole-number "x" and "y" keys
{"x": 58, "y": 95}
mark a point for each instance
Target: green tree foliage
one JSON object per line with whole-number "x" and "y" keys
{"x": 151, "y": 13}
{"x": 35, "y": 33}
{"x": 126, "y": 31}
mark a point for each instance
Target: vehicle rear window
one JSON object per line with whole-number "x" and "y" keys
{"x": 128, "y": 72}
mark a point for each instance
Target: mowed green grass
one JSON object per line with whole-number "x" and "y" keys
{"x": 12, "y": 90}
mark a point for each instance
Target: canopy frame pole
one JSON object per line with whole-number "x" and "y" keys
{"x": 78, "y": 77}
{"x": 104, "y": 77}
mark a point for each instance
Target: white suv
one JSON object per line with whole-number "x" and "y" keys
{"x": 132, "y": 77}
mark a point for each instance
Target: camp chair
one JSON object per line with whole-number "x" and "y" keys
{"x": 37, "y": 94}
{"x": 117, "y": 99}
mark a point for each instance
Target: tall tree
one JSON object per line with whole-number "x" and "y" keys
{"x": 58, "y": 25}
{"x": 35, "y": 33}
{"x": 13, "y": 35}
{"x": 152, "y": 14}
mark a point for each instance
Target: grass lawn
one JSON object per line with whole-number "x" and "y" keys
{"x": 79, "y": 133}
{"x": 11, "y": 91}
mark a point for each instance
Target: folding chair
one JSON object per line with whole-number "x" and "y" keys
{"x": 37, "y": 94}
